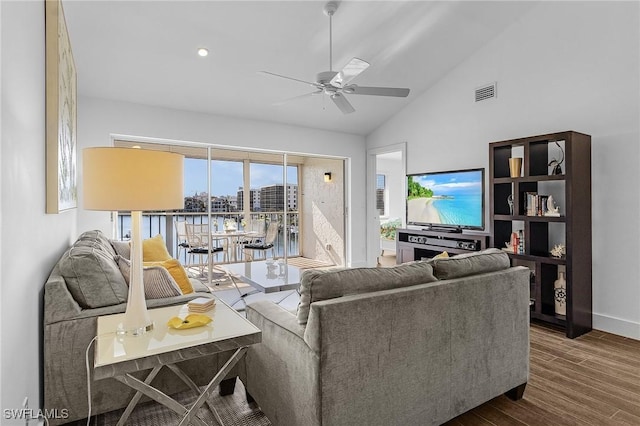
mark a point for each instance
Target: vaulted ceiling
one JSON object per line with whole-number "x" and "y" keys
{"x": 145, "y": 52}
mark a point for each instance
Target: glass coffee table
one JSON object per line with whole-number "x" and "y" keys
{"x": 266, "y": 277}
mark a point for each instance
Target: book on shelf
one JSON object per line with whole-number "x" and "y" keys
{"x": 535, "y": 204}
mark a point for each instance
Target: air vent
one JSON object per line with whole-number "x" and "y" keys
{"x": 486, "y": 92}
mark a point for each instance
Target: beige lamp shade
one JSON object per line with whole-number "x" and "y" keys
{"x": 132, "y": 179}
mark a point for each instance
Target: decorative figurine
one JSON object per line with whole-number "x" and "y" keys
{"x": 559, "y": 251}
{"x": 510, "y": 202}
{"x": 552, "y": 209}
{"x": 557, "y": 169}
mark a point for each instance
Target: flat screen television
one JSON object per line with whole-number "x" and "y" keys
{"x": 449, "y": 201}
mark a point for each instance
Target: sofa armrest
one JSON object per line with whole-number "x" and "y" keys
{"x": 198, "y": 286}
{"x": 276, "y": 314}
{"x": 282, "y": 371}
{"x": 59, "y": 305}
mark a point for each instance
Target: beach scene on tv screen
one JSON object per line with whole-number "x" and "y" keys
{"x": 445, "y": 198}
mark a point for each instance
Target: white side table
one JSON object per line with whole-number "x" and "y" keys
{"x": 117, "y": 356}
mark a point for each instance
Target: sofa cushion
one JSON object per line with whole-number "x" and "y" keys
{"x": 95, "y": 239}
{"x": 316, "y": 285}
{"x": 463, "y": 265}
{"x": 155, "y": 250}
{"x": 158, "y": 282}
{"x": 92, "y": 276}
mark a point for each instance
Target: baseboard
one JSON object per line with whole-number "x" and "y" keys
{"x": 617, "y": 326}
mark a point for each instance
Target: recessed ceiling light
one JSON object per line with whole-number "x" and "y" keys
{"x": 203, "y": 52}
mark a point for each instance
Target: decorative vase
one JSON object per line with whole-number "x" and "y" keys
{"x": 230, "y": 225}
{"x": 560, "y": 294}
{"x": 515, "y": 166}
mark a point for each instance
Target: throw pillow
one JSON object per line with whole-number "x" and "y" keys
{"x": 158, "y": 282}
{"x": 155, "y": 250}
{"x": 316, "y": 285}
{"x": 93, "y": 277}
{"x": 122, "y": 248}
{"x": 463, "y": 265}
{"x": 442, "y": 255}
{"x": 177, "y": 272}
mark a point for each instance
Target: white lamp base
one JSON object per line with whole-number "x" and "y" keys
{"x": 134, "y": 331}
{"x": 136, "y": 318}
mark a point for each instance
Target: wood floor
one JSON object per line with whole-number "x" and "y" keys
{"x": 591, "y": 380}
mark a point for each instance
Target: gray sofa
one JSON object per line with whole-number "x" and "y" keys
{"x": 83, "y": 285}
{"x": 417, "y": 343}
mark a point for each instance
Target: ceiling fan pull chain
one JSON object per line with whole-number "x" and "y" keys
{"x": 330, "y": 44}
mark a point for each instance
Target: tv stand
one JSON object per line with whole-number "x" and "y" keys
{"x": 417, "y": 244}
{"x": 457, "y": 230}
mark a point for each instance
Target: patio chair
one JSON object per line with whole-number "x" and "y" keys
{"x": 256, "y": 232}
{"x": 181, "y": 238}
{"x": 257, "y": 226}
{"x": 198, "y": 240}
{"x": 268, "y": 244}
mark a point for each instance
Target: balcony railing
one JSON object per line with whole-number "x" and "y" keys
{"x": 163, "y": 224}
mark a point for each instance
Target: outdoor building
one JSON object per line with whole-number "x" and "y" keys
{"x": 254, "y": 204}
{"x": 222, "y": 204}
{"x": 292, "y": 196}
{"x": 272, "y": 197}
{"x": 194, "y": 204}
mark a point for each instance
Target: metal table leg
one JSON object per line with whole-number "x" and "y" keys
{"x": 188, "y": 415}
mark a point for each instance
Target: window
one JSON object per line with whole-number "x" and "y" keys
{"x": 381, "y": 194}
{"x": 266, "y": 196}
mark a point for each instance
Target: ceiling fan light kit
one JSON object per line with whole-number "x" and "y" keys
{"x": 336, "y": 83}
{"x": 330, "y": 8}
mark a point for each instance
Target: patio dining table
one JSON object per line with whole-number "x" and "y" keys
{"x": 233, "y": 239}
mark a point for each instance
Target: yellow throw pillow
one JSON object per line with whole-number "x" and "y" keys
{"x": 154, "y": 250}
{"x": 177, "y": 272}
{"x": 441, "y": 255}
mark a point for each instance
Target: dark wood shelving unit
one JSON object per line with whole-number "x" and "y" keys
{"x": 529, "y": 218}
{"x": 573, "y": 227}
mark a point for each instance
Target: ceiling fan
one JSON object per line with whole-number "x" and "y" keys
{"x": 336, "y": 84}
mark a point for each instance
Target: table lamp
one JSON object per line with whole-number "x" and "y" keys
{"x": 133, "y": 180}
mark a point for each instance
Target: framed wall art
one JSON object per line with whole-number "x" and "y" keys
{"x": 61, "y": 178}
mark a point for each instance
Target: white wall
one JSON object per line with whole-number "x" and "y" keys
{"x": 1, "y": 204}
{"x": 564, "y": 66}
{"x": 323, "y": 210}
{"x": 99, "y": 118}
{"x": 32, "y": 241}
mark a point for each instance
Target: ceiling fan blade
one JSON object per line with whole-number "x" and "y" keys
{"x": 349, "y": 72}
{"x": 377, "y": 91}
{"x": 290, "y": 78}
{"x": 306, "y": 95}
{"x": 342, "y": 103}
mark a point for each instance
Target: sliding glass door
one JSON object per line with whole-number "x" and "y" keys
{"x": 232, "y": 192}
